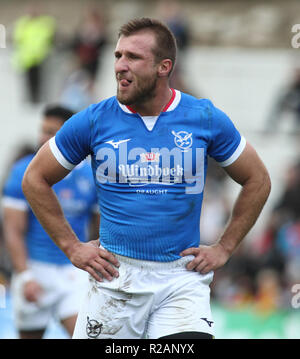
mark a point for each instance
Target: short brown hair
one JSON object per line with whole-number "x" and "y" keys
{"x": 165, "y": 40}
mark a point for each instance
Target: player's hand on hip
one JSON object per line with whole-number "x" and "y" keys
{"x": 207, "y": 258}
{"x": 95, "y": 261}
{"x": 32, "y": 291}
{"x": 94, "y": 243}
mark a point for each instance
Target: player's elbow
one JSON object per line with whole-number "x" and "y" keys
{"x": 264, "y": 184}
{"x": 25, "y": 183}
{"x": 28, "y": 182}
{"x": 268, "y": 182}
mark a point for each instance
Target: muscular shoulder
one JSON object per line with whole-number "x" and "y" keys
{"x": 102, "y": 107}
{"x": 193, "y": 103}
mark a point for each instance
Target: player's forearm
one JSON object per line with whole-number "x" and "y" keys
{"x": 14, "y": 229}
{"x": 247, "y": 208}
{"x": 47, "y": 209}
{"x": 16, "y": 248}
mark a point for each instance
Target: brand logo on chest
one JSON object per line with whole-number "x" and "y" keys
{"x": 165, "y": 166}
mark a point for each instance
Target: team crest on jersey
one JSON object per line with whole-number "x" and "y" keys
{"x": 183, "y": 139}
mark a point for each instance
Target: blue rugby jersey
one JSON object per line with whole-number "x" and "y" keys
{"x": 77, "y": 196}
{"x": 149, "y": 183}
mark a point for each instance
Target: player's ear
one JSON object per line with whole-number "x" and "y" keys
{"x": 164, "y": 68}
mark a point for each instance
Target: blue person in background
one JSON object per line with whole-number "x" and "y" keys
{"x": 44, "y": 282}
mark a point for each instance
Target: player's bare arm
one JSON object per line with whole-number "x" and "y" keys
{"x": 249, "y": 171}
{"x": 15, "y": 225}
{"x": 43, "y": 172}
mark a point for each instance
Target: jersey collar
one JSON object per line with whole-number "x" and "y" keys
{"x": 170, "y": 106}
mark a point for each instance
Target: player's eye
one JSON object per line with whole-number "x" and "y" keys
{"x": 134, "y": 57}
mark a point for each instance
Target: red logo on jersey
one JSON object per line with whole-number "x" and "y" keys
{"x": 150, "y": 157}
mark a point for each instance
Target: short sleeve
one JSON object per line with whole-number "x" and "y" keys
{"x": 226, "y": 143}
{"x": 71, "y": 143}
{"x": 13, "y": 195}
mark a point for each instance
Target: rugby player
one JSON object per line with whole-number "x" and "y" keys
{"x": 45, "y": 283}
{"x": 149, "y": 145}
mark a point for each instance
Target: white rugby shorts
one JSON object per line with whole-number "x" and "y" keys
{"x": 147, "y": 300}
{"x": 63, "y": 290}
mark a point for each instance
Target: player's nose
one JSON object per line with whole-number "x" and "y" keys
{"x": 121, "y": 65}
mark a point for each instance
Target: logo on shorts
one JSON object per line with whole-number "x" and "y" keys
{"x": 93, "y": 328}
{"x": 207, "y": 321}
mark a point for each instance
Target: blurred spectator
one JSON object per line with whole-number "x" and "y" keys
{"x": 44, "y": 283}
{"x": 279, "y": 246}
{"x": 5, "y": 266}
{"x": 77, "y": 92}
{"x": 5, "y": 263}
{"x": 288, "y": 101}
{"x": 285, "y": 212}
{"x": 261, "y": 273}
{"x": 233, "y": 292}
{"x": 88, "y": 43}
{"x": 172, "y": 14}
{"x": 33, "y": 39}
{"x": 268, "y": 292}
{"x": 288, "y": 241}
{"x": 24, "y": 149}
{"x": 234, "y": 285}
{"x": 289, "y": 203}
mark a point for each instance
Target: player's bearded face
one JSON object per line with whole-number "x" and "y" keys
{"x": 136, "y": 68}
{"x": 139, "y": 90}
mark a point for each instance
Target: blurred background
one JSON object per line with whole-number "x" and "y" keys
{"x": 240, "y": 55}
